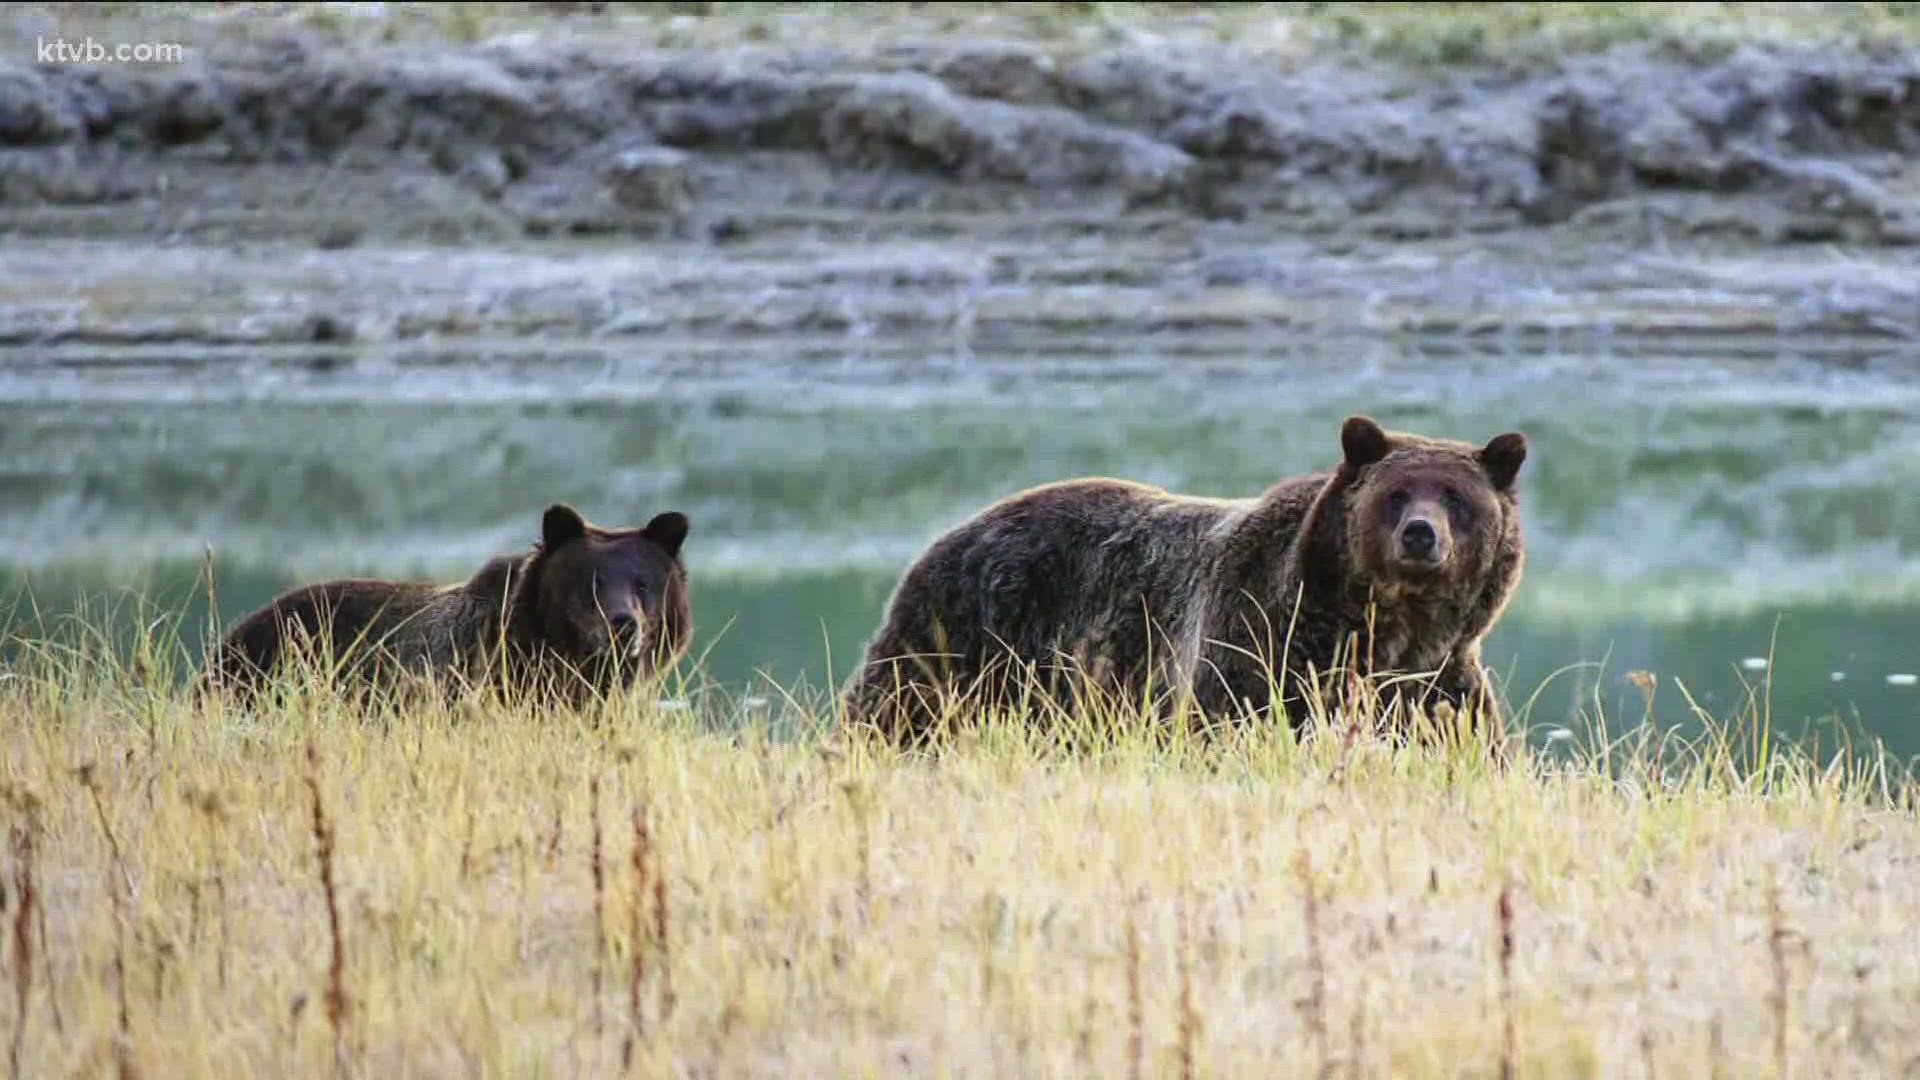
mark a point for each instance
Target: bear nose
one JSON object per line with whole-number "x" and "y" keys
{"x": 1418, "y": 540}
{"x": 624, "y": 625}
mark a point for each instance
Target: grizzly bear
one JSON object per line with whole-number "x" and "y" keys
{"x": 1397, "y": 562}
{"x": 584, "y": 611}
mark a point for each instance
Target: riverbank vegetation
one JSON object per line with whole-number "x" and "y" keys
{"x": 724, "y": 885}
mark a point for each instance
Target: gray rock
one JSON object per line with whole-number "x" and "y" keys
{"x": 34, "y": 111}
{"x": 914, "y": 121}
{"x": 653, "y": 179}
{"x": 977, "y": 126}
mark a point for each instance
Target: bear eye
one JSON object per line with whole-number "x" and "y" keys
{"x": 1457, "y": 503}
{"x": 1397, "y": 501}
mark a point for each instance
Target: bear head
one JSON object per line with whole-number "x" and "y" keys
{"x": 611, "y": 603}
{"x": 1423, "y": 514}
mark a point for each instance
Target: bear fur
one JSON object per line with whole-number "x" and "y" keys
{"x": 1403, "y": 556}
{"x": 584, "y": 611}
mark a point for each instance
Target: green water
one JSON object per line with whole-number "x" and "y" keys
{"x": 1683, "y": 515}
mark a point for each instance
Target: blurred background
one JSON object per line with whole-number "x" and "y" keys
{"x": 359, "y": 289}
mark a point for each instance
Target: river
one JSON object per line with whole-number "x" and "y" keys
{"x": 1742, "y": 525}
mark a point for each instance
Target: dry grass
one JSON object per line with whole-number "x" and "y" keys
{"x": 805, "y": 904}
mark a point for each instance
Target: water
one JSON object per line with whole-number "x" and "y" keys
{"x": 1684, "y": 515}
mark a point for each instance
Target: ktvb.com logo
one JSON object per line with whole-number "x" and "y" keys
{"x": 89, "y": 51}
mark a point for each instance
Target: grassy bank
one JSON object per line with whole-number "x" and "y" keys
{"x": 521, "y": 895}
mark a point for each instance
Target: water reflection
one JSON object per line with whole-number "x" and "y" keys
{"x": 1684, "y": 517}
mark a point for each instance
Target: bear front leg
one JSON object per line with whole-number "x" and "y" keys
{"x": 896, "y": 700}
{"x": 1463, "y": 684}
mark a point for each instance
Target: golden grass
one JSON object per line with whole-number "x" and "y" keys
{"x": 549, "y": 895}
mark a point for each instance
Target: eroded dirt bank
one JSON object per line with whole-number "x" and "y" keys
{"x": 580, "y": 177}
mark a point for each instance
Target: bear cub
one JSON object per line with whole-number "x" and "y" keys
{"x": 585, "y": 610}
{"x": 1398, "y": 561}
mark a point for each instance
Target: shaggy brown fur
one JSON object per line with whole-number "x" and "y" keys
{"x": 587, "y": 609}
{"x": 1410, "y": 548}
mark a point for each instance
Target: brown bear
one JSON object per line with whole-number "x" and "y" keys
{"x": 1401, "y": 558}
{"x": 584, "y": 611}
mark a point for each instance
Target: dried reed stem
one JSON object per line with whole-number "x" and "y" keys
{"x": 636, "y": 931}
{"x": 1508, "y": 1038}
{"x": 163, "y": 952}
{"x": 212, "y": 644}
{"x": 296, "y": 1009}
{"x": 1136, "y": 1000}
{"x": 466, "y": 850}
{"x": 119, "y": 894}
{"x": 1083, "y": 1047}
{"x": 1189, "y": 1030}
{"x": 336, "y": 999}
{"x": 220, "y": 898}
{"x": 207, "y": 802}
{"x": 1316, "y": 967}
{"x": 599, "y": 913}
{"x": 46, "y": 971}
{"x": 858, "y": 799}
{"x": 662, "y": 927}
{"x": 1357, "y": 1063}
{"x": 1716, "y": 1046}
{"x": 1777, "y": 946}
{"x": 29, "y": 899}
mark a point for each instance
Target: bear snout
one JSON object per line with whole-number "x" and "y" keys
{"x": 1420, "y": 542}
{"x": 629, "y": 632}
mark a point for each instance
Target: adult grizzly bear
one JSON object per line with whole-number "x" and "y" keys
{"x": 585, "y": 610}
{"x": 1409, "y": 550}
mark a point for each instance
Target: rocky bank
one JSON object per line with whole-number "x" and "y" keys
{"x": 284, "y": 185}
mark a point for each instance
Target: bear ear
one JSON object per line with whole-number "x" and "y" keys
{"x": 1364, "y": 441}
{"x": 1502, "y": 458}
{"x": 561, "y": 525}
{"x": 669, "y": 530}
